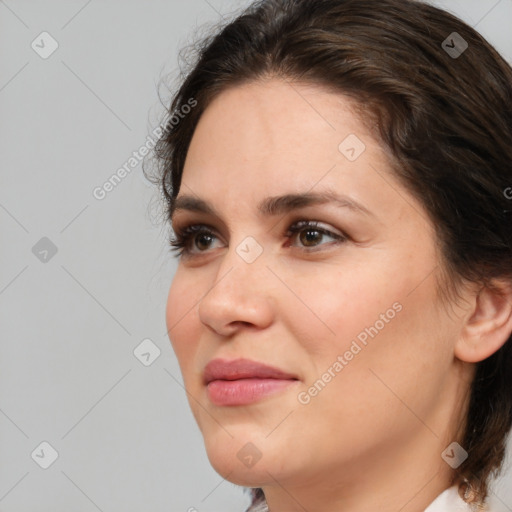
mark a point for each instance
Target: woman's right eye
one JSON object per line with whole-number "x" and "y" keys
{"x": 185, "y": 236}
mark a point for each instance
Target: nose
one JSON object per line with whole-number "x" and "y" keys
{"x": 241, "y": 292}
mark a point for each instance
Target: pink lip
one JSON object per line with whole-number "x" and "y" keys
{"x": 243, "y": 381}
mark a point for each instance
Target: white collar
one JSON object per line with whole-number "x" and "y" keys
{"x": 450, "y": 501}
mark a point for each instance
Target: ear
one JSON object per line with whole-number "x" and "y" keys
{"x": 488, "y": 324}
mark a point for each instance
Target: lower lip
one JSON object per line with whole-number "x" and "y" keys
{"x": 244, "y": 391}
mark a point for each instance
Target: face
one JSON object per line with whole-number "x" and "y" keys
{"x": 348, "y": 307}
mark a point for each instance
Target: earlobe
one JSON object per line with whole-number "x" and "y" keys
{"x": 489, "y": 324}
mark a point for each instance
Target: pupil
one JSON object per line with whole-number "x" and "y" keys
{"x": 312, "y": 238}
{"x": 202, "y": 237}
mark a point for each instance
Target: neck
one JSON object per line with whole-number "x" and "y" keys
{"x": 388, "y": 482}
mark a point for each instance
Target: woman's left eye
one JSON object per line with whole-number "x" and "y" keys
{"x": 309, "y": 234}
{"x": 312, "y": 232}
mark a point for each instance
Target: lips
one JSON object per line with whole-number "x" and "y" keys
{"x": 243, "y": 381}
{"x": 222, "y": 369}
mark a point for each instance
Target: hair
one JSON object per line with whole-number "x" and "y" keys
{"x": 446, "y": 120}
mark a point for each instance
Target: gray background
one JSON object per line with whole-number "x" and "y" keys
{"x": 125, "y": 437}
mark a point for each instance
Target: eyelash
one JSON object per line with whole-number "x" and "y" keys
{"x": 180, "y": 243}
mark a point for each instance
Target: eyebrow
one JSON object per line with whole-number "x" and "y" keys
{"x": 276, "y": 205}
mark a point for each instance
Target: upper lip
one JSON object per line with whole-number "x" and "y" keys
{"x": 223, "y": 369}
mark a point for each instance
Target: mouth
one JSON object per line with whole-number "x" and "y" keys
{"x": 243, "y": 381}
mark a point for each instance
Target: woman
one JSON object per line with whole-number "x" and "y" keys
{"x": 338, "y": 179}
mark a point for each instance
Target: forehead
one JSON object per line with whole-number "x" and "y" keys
{"x": 274, "y": 131}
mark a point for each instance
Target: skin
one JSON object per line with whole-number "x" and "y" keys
{"x": 372, "y": 438}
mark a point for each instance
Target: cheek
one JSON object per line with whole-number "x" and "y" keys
{"x": 380, "y": 322}
{"x": 338, "y": 305}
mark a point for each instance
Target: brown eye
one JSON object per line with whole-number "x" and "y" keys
{"x": 196, "y": 235}
{"x": 202, "y": 238}
{"x": 310, "y": 235}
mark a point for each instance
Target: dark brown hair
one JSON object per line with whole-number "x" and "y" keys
{"x": 445, "y": 118}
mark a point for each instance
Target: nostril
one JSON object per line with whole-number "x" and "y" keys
{"x": 241, "y": 322}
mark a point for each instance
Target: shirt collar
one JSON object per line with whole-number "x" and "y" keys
{"x": 450, "y": 501}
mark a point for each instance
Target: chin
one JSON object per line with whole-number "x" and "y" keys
{"x": 242, "y": 460}
{"x": 242, "y": 476}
